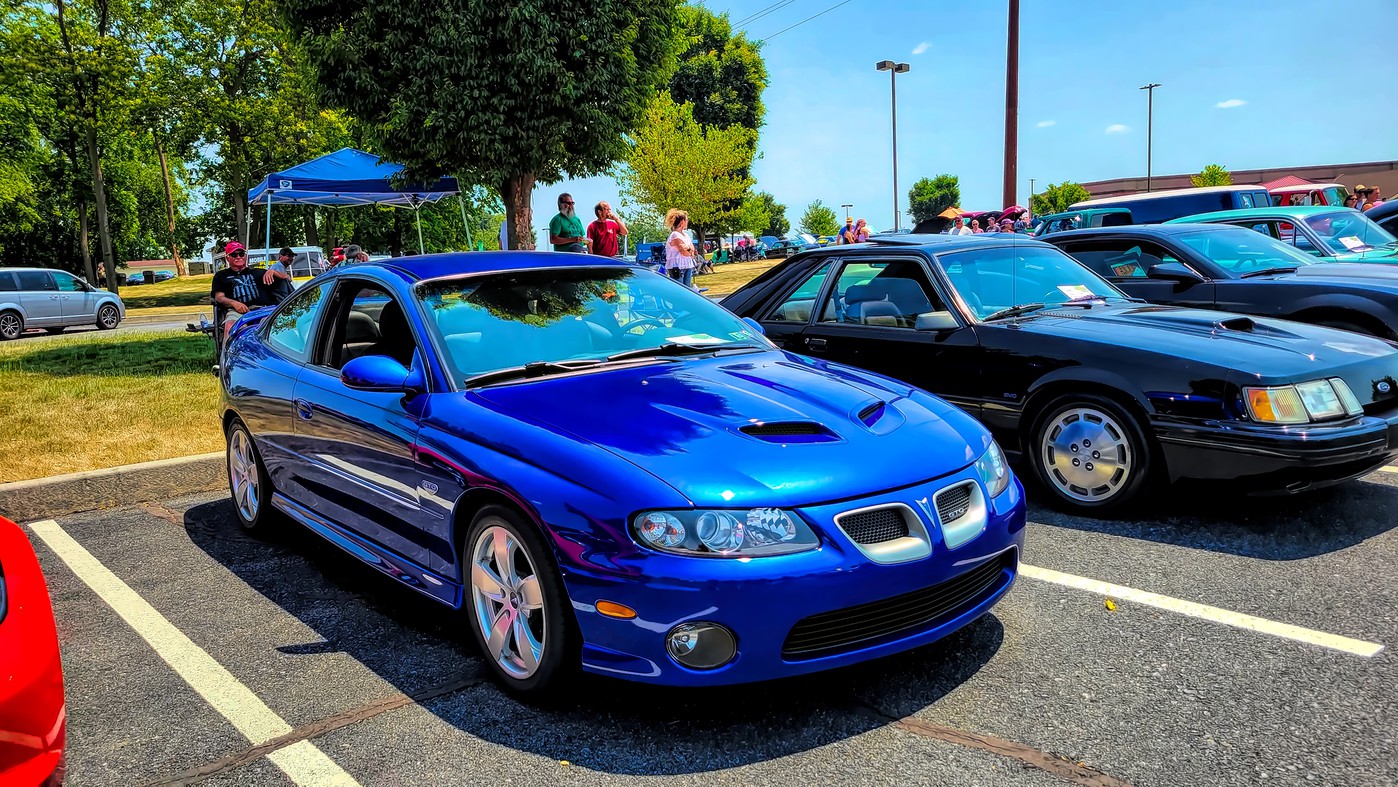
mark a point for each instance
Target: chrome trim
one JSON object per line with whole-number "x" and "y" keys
{"x": 914, "y": 546}
{"x": 965, "y": 528}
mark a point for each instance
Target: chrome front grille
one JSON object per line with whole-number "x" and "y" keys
{"x": 874, "y": 526}
{"x": 952, "y": 504}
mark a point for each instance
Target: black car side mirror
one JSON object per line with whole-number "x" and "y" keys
{"x": 1174, "y": 271}
{"x": 936, "y": 321}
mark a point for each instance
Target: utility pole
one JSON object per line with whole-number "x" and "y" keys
{"x": 894, "y": 70}
{"x": 1012, "y": 103}
{"x": 1150, "y": 122}
{"x": 1030, "y": 203}
{"x": 847, "y": 206}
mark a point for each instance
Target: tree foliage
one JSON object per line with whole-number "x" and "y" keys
{"x": 504, "y": 94}
{"x": 776, "y": 215}
{"x": 1058, "y": 198}
{"x": 819, "y": 219}
{"x": 721, "y": 74}
{"x": 1213, "y": 175}
{"x": 930, "y": 196}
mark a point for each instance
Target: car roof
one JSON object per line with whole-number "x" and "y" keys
{"x": 1291, "y": 211}
{"x": 1156, "y": 230}
{"x": 463, "y": 263}
{"x": 1098, "y": 201}
{"x": 939, "y": 243}
{"x": 1304, "y": 187}
{"x": 1382, "y": 210}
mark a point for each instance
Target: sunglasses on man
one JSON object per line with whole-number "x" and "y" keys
{"x": 237, "y": 254}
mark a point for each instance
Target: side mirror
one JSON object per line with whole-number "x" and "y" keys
{"x": 936, "y": 321}
{"x": 381, "y": 374}
{"x": 755, "y": 325}
{"x": 1174, "y": 271}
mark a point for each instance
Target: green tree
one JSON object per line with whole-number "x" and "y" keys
{"x": 1058, "y": 198}
{"x": 721, "y": 74}
{"x": 644, "y": 223}
{"x": 820, "y": 220}
{"x": 776, "y": 215}
{"x": 1213, "y": 175}
{"x": 673, "y": 163}
{"x": 504, "y": 94}
{"x": 930, "y": 196}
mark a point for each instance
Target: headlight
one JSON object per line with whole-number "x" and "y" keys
{"x": 1316, "y": 400}
{"x": 993, "y": 470}
{"x": 754, "y": 532}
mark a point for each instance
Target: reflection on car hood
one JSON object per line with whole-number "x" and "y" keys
{"x": 718, "y": 429}
{"x": 1264, "y": 350}
{"x": 1367, "y": 275}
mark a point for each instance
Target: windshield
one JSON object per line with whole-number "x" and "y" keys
{"x": 1349, "y": 231}
{"x": 1238, "y": 251}
{"x": 996, "y": 279}
{"x": 485, "y": 324}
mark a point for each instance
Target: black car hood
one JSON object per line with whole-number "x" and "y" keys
{"x": 1348, "y": 274}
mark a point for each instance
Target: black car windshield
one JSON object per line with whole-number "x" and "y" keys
{"x": 1347, "y": 231}
{"x": 1237, "y": 251}
{"x": 997, "y": 279}
{"x": 570, "y": 317}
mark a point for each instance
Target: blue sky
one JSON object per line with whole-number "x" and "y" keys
{"x": 1306, "y": 96}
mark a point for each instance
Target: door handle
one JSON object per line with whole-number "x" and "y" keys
{"x": 303, "y": 409}
{"x": 53, "y": 297}
{"x": 815, "y": 344}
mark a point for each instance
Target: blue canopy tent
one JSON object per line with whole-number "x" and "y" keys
{"x": 350, "y": 177}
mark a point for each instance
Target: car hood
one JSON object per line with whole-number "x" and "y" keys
{"x": 759, "y": 429}
{"x": 1380, "y": 255}
{"x": 1369, "y": 276}
{"x": 1262, "y": 350}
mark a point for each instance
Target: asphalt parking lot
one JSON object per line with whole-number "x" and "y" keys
{"x": 194, "y": 653}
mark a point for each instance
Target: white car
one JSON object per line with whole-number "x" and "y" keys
{"x": 53, "y": 300}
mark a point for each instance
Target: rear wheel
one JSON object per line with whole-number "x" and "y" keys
{"x": 11, "y": 325}
{"x": 248, "y": 482}
{"x": 1090, "y": 452}
{"x": 108, "y": 317}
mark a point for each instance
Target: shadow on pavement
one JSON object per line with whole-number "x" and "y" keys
{"x": 600, "y": 723}
{"x": 1290, "y": 527}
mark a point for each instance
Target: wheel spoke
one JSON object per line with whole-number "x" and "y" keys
{"x": 526, "y": 647}
{"x": 503, "y": 550}
{"x": 486, "y": 582}
{"x": 531, "y": 594}
{"x": 500, "y": 633}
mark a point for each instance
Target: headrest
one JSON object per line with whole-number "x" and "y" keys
{"x": 863, "y": 292}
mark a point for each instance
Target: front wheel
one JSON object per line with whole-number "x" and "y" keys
{"x": 1090, "y": 452}
{"x": 11, "y": 326}
{"x": 516, "y": 603}
{"x": 248, "y": 482}
{"x": 108, "y": 317}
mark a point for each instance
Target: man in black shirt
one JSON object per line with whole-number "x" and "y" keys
{"x": 241, "y": 287}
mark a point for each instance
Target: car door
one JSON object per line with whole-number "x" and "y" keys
{"x": 38, "y": 294}
{"x": 868, "y": 318}
{"x": 784, "y": 321}
{"x": 357, "y": 447}
{"x": 79, "y": 306}
{"x": 1126, "y": 262}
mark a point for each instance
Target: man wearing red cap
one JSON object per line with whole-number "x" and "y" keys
{"x": 241, "y": 287}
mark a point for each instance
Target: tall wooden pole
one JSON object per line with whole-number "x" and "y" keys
{"x": 1012, "y": 104}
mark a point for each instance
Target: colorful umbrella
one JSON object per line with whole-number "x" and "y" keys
{"x": 949, "y": 213}
{"x": 1013, "y": 210}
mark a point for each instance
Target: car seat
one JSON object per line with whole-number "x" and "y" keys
{"x": 865, "y": 304}
{"x": 395, "y": 336}
{"x": 361, "y": 333}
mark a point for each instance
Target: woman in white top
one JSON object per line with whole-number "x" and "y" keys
{"x": 679, "y": 251}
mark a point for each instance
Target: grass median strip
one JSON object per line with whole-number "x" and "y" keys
{"x": 100, "y": 400}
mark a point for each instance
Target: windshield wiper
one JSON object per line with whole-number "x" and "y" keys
{"x": 1014, "y": 311}
{"x": 672, "y": 349}
{"x": 1269, "y": 271}
{"x": 529, "y": 371}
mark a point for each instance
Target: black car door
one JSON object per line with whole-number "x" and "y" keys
{"x": 1126, "y": 261}
{"x": 784, "y": 321}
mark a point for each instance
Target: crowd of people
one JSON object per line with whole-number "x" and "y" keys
{"x": 603, "y": 236}
{"x": 960, "y": 227}
{"x": 1364, "y": 197}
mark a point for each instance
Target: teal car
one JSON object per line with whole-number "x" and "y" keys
{"x": 1325, "y": 231}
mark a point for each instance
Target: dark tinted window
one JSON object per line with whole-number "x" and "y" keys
{"x": 7, "y": 282}
{"x": 888, "y": 294}
{"x": 35, "y": 280}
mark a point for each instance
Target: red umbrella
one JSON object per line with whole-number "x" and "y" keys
{"x": 1013, "y": 210}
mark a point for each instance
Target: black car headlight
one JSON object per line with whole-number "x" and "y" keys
{"x": 1316, "y": 400}
{"x": 993, "y": 470}
{"x": 754, "y": 532}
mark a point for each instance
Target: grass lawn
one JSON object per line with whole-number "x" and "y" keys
{"x": 187, "y": 291}
{"x": 727, "y": 278}
{"x": 102, "y": 399}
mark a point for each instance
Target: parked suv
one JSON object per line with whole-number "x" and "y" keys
{"x": 53, "y": 300}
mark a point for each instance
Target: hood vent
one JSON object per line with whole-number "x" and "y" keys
{"x": 1245, "y": 324}
{"x": 789, "y": 432}
{"x": 871, "y": 414}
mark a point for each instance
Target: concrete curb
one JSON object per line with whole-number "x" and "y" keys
{"x": 54, "y": 496}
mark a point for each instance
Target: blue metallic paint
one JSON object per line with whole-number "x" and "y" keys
{"x": 393, "y": 480}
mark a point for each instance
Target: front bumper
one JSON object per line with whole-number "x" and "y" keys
{"x": 1279, "y": 458}
{"x": 762, "y": 600}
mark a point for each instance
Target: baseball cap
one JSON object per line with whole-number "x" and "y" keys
{"x": 1360, "y": 187}
{"x": 233, "y": 246}
{"x": 352, "y": 250}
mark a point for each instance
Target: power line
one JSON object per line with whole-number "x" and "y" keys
{"x": 777, "y": 6}
{"x": 804, "y": 21}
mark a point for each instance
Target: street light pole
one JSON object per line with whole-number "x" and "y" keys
{"x": 1150, "y": 122}
{"x": 894, "y": 70}
{"x": 847, "y": 206}
{"x": 1030, "y": 203}
{"x": 1012, "y": 104}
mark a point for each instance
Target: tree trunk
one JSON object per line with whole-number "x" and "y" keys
{"x": 180, "y": 268}
{"x": 85, "y": 243}
{"x": 516, "y": 191}
{"x": 312, "y": 236}
{"x": 100, "y": 193}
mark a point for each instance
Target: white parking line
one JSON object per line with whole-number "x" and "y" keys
{"x": 303, "y": 763}
{"x": 1389, "y": 469}
{"x": 1204, "y": 612}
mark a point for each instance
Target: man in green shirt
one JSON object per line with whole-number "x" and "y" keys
{"x": 566, "y": 229}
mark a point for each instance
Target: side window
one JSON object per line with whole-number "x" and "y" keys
{"x": 1120, "y": 259}
{"x": 368, "y": 321}
{"x": 8, "y": 283}
{"x": 890, "y": 294}
{"x": 31, "y": 281}
{"x": 798, "y": 305}
{"x": 291, "y": 327}
{"x": 67, "y": 283}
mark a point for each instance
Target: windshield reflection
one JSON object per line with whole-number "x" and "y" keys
{"x": 1349, "y": 231}
{"x": 995, "y": 280}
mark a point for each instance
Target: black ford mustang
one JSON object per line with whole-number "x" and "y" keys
{"x": 1217, "y": 266}
{"x": 1098, "y": 390}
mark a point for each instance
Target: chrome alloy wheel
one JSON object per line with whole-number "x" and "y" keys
{"x": 243, "y": 475}
{"x": 509, "y": 603}
{"x": 10, "y": 325}
{"x": 1086, "y": 454}
{"x": 107, "y": 317}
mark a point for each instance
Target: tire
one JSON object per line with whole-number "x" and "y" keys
{"x": 11, "y": 325}
{"x": 248, "y": 483}
{"x": 1090, "y": 453}
{"x": 539, "y": 645}
{"x": 108, "y": 317}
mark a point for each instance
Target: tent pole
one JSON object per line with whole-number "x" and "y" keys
{"x": 462, "y": 204}
{"x": 418, "y": 212}
{"x": 267, "y": 247}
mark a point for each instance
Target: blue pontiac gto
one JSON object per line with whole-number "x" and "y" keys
{"x": 604, "y": 469}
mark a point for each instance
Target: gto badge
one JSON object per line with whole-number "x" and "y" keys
{"x": 1384, "y": 387}
{"x": 429, "y": 487}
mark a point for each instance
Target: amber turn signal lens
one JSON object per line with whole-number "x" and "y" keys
{"x": 614, "y": 610}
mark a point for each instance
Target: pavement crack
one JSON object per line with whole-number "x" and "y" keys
{"x": 1055, "y": 764}
{"x": 317, "y": 728}
{"x": 161, "y": 512}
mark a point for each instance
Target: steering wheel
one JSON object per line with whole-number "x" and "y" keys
{"x": 1249, "y": 263}
{"x": 644, "y": 322}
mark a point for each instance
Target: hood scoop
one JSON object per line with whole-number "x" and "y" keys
{"x": 870, "y": 415}
{"x": 1245, "y": 324}
{"x": 790, "y": 432}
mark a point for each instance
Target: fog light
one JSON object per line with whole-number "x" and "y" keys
{"x": 701, "y": 645}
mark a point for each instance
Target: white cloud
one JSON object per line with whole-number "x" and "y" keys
{"x": 1230, "y": 103}
{"x": 1117, "y": 128}
{"x": 920, "y": 48}
{"x": 1045, "y": 123}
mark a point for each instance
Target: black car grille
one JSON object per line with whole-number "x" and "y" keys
{"x": 874, "y": 527}
{"x": 954, "y": 503}
{"x": 846, "y": 629}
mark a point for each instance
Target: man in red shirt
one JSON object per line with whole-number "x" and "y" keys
{"x": 605, "y": 230}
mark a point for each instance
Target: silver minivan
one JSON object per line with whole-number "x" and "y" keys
{"x": 53, "y": 300}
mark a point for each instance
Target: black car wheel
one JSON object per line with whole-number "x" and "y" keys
{"x": 248, "y": 482}
{"x": 108, "y": 317}
{"x": 1090, "y": 452}
{"x": 515, "y": 604}
{"x": 11, "y": 325}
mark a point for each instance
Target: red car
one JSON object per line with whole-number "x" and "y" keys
{"x": 33, "y": 717}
